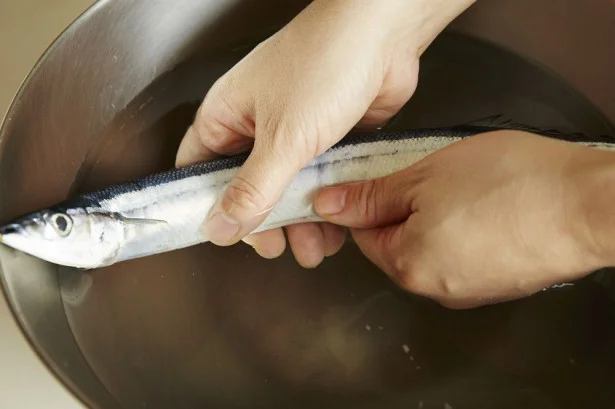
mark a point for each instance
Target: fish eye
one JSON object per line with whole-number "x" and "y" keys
{"x": 61, "y": 223}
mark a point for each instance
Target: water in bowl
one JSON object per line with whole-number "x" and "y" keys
{"x": 223, "y": 328}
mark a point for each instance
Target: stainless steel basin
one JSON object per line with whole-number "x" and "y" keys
{"x": 210, "y": 327}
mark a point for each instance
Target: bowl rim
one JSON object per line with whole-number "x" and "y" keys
{"x": 53, "y": 369}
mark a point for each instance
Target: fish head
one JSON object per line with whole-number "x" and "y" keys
{"x": 74, "y": 237}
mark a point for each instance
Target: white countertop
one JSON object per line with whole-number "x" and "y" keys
{"x": 27, "y": 27}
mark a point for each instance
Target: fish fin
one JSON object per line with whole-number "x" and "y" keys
{"x": 500, "y": 122}
{"x": 133, "y": 220}
{"x": 137, "y": 220}
{"x": 146, "y": 221}
{"x": 492, "y": 121}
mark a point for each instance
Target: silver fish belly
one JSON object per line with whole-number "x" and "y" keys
{"x": 183, "y": 205}
{"x": 165, "y": 212}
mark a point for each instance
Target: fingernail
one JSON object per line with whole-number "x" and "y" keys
{"x": 221, "y": 228}
{"x": 331, "y": 201}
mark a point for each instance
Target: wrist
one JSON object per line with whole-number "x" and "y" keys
{"x": 419, "y": 22}
{"x": 413, "y": 23}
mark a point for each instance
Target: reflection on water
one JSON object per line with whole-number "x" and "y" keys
{"x": 223, "y": 328}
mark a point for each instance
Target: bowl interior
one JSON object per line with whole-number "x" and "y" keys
{"x": 221, "y": 327}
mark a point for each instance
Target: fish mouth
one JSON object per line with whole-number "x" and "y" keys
{"x": 18, "y": 226}
{"x": 8, "y": 229}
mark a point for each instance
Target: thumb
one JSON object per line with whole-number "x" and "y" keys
{"x": 382, "y": 245}
{"x": 252, "y": 192}
{"x": 366, "y": 204}
{"x": 377, "y": 212}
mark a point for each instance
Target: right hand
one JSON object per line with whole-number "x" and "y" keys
{"x": 338, "y": 63}
{"x": 491, "y": 218}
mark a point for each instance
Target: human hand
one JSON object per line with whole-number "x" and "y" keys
{"x": 338, "y": 63}
{"x": 495, "y": 217}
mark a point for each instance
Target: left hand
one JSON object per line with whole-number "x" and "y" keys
{"x": 495, "y": 217}
{"x": 337, "y": 64}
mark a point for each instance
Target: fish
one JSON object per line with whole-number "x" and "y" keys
{"x": 164, "y": 211}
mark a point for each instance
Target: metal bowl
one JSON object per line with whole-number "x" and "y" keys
{"x": 222, "y": 328}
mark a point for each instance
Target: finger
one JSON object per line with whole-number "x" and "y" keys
{"x": 380, "y": 246}
{"x": 268, "y": 244}
{"x": 367, "y": 204}
{"x": 307, "y": 243}
{"x": 334, "y": 237}
{"x": 310, "y": 247}
{"x": 251, "y": 193}
{"x": 220, "y": 127}
{"x": 197, "y": 147}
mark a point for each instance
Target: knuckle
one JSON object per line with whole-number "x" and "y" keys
{"x": 408, "y": 276}
{"x": 212, "y": 134}
{"x": 202, "y": 122}
{"x": 204, "y": 113}
{"x": 415, "y": 273}
{"x": 241, "y": 193}
{"x": 296, "y": 135}
{"x": 448, "y": 286}
{"x": 413, "y": 276}
{"x": 199, "y": 145}
{"x": 367, "y": 197}
{"x": 451, "y": 304}
{"x": 205, "y": 130}
{"x": 210, "y": 123}
{"x": 289, "y": 145}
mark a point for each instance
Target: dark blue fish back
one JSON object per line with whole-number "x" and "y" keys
{"x": 94, "y": 199}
